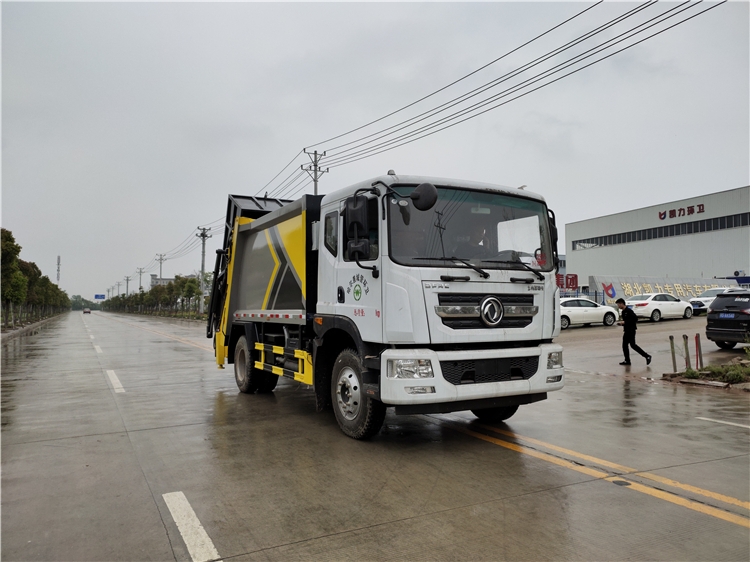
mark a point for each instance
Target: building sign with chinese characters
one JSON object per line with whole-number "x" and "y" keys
{"x": 682, "y": 211}
{"x": 611, "y": 288}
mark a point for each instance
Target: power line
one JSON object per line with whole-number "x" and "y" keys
{"x": 488, "y": 85}
{"x": 280, "y": 172}
{"x": 460, "y": 79}
{"x": 561, "y": 66}
{"x": 291, "y": 191}
{"x": 354, "y": 159}
{"x": 284, "y": 183}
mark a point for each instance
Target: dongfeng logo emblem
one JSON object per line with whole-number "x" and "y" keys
{"x": 491, "y": 311}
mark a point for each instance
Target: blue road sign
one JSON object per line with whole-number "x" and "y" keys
{"x": 99, "y": 297}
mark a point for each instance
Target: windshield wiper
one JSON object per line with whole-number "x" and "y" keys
{"x": 454, "y": 259}
{"x": 524, "y": 265}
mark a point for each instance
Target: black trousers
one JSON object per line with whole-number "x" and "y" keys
{"x": 628, "y": 339}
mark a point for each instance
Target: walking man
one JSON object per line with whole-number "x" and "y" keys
{"x": 629, "y": 323}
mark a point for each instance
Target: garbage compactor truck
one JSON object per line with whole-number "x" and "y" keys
{"x": 423, "y": 294}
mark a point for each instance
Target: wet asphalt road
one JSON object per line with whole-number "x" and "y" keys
{"x": 114, "y": 427}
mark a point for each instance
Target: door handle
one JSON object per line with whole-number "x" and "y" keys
{"x": 341, "y": 294}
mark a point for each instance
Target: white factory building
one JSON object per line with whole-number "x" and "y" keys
{"x": 700, "y": 237}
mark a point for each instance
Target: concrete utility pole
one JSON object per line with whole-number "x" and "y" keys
{"x": 161, "y": 259}
{"x": 127, "y": 281}
{"x": 313, "y": 169}
{"x": 58, "y": 270}
{"x": 203, "y": 235}
{"x": 140, "y": 271}
{"x": 108, "y": 294}
{"x": 118, "y": 287}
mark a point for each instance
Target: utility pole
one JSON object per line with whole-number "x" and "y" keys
{"x": 203, "y": 235}
{"x": 107, "y": 294}
{"x": 161, "y": 259}
{"x": 140, "y": 271}
{"x": 313, "y": 169}
{"x": 127, "y": 281}
{"x": 58, "y": 270}
{"x": 118, "y": 288}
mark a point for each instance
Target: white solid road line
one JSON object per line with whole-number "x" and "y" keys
{"x": 724, "y": 422}
{"x": 198, "y": 543}
{"x": 98, "y": 349}
{"x": 115, "y": 381}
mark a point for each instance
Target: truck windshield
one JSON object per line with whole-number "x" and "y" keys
{"x": 490, "y": 230}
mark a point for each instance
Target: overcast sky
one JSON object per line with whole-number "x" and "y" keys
{"x": 125, "y": 126}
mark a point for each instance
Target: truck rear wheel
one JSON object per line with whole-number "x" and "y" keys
{"x": 495, "y": 414}
{"x": 358, "y": 415}
{"x": 248, "y": 378}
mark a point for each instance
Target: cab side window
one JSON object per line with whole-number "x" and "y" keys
{"x": 372, "y": 234}
{"x": 331, "y": 233}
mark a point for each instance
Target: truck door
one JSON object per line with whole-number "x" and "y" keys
{"x": 358, "y": 291}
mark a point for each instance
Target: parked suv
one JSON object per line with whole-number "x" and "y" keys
{"x": 704, "y": 300}
{"x": 729, "y": 318}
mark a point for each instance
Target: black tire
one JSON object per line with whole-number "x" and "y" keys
{"x": 609, "y": 319}
{"x": 358, "y": 415}
{"x": 726, "y": 344}
{"x": 493, "y": 415}
{"x": 688, "y": 313}
{"x": 248, "y": 378}
{"x": 655, "y": 316}
{"x": 564, "y": 322}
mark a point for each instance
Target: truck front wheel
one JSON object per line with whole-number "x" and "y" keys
{"x": 493, "y": 415}
{"x": 248, "y": 378}
{"x": 358, "y": 415}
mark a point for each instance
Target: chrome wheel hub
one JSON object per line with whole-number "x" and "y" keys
{"x": 348, "y": 393}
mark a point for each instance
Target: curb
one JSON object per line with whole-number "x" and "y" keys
{"x": 7, "y": 336}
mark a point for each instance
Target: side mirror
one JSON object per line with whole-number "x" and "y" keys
{"x": 424, "y": 197}
{"x": 552, "y": 227}
{"x": 358, "y": 249}
{"x": 355, "y": 217}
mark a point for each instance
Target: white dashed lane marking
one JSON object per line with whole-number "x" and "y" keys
{"x": 725, "y": 422}
{"x": 198, "y": 543}
{"x": 116, "y": 384}
{"x": 98, "y": 349}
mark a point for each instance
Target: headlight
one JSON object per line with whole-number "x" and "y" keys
{"x": 554, "y": 360}
{"x": 409, "y": 369}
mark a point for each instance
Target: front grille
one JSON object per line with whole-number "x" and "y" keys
{"x": 473, "y": 299}
{"x": 489, "y": 370}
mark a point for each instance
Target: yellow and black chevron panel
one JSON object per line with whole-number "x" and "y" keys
{"x": 273, "y": 268}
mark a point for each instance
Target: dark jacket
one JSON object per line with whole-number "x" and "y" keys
{"x": 630, "y": 319}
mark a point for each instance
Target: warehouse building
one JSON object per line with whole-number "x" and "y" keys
{"x": 701, "y": 237}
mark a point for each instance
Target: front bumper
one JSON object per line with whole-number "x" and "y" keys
{"x": 394, "y": 392}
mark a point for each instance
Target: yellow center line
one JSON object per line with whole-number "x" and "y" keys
{"x": 175, "y": 338}
{"x": 624, "y": 469}
{"x": 598, "y": 474}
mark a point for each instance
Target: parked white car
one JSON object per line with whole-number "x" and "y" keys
{"x": 578, "y": 310}
{"x": 702, "y": 302}
{"x": 656, "y": 306}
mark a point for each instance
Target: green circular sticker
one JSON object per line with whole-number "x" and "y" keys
{"x": 357, "y": 292}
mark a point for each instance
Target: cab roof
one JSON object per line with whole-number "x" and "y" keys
{"x": 399, "y": 180}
